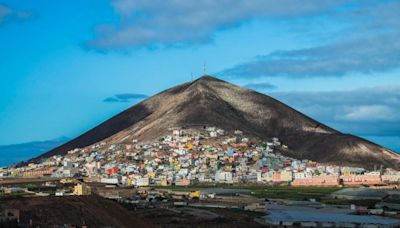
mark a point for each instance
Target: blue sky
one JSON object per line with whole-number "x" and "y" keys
{"x": 66, "y": 66}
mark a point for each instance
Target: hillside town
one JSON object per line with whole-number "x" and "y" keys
{"x": 203, "y": 174}
{"x": 194, "y": 156}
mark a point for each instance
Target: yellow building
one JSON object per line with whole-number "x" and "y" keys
{"x": 346, "y": 173}
{"x": 194, "y": 194}
{"x": 151, "y": 174}
{"x": 163, "y": 182}
{"x": 286, "y": 176}
{"x": 189, "y": 146}
{"x": 15, "y": 172}
{"x": 82, "y": 190}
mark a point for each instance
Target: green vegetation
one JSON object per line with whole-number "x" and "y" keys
{"x": 293, "y": 193}
{"x": 269, "y": 192}
{"x": 181, "y": 188}
{"x": 14, "y": 194}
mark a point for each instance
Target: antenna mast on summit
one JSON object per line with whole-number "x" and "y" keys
{"x": 204, "y": 68}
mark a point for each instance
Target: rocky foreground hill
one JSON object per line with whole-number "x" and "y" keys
{"x": 208, "y": 101}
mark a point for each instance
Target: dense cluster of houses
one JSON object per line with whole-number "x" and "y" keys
{"x": 195, "y": 156}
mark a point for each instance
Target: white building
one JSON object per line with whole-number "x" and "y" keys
{"x": 224, "y": 177}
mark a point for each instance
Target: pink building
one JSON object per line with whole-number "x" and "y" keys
{"x": 182, "y": 182}
{"x": 322, "y": 180}
{"x": 363, "y": 179}
{"x": 264, "y": 169}
{"x": 276, "y": 177}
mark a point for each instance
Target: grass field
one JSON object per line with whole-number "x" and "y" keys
{"x": 293, "y": 193}
{"x": 14, "y": 194}
{"x": 269, "y": 192}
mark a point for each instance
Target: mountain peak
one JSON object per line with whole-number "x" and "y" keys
{"x": 209, "y": 101}
{"x": 209, "y": 78}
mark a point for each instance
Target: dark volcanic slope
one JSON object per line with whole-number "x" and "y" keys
{"x": 55, "y": 211}
{"x": 210, "y": 101}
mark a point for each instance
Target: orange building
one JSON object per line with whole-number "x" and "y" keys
{"x": 322, "y": 180}
{"x": 363, "y": 179}
{"x": 182, "y": 182}
{"x": 276, "y": 177}
{"x": 283, "y": 176}
{"x": 37, "y": 173}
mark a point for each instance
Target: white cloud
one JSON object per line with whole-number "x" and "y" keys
{"x": 261, "y": 86}
{"x": 9, "y": 14}
{"x": 364, "y": 111}
{"x": 364, "y": 55}
{"x": 369, "y": 113}
{"x": 176, "y": 22}
{"x": 4, "y": 12}
{"x": 371, "y": 44}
